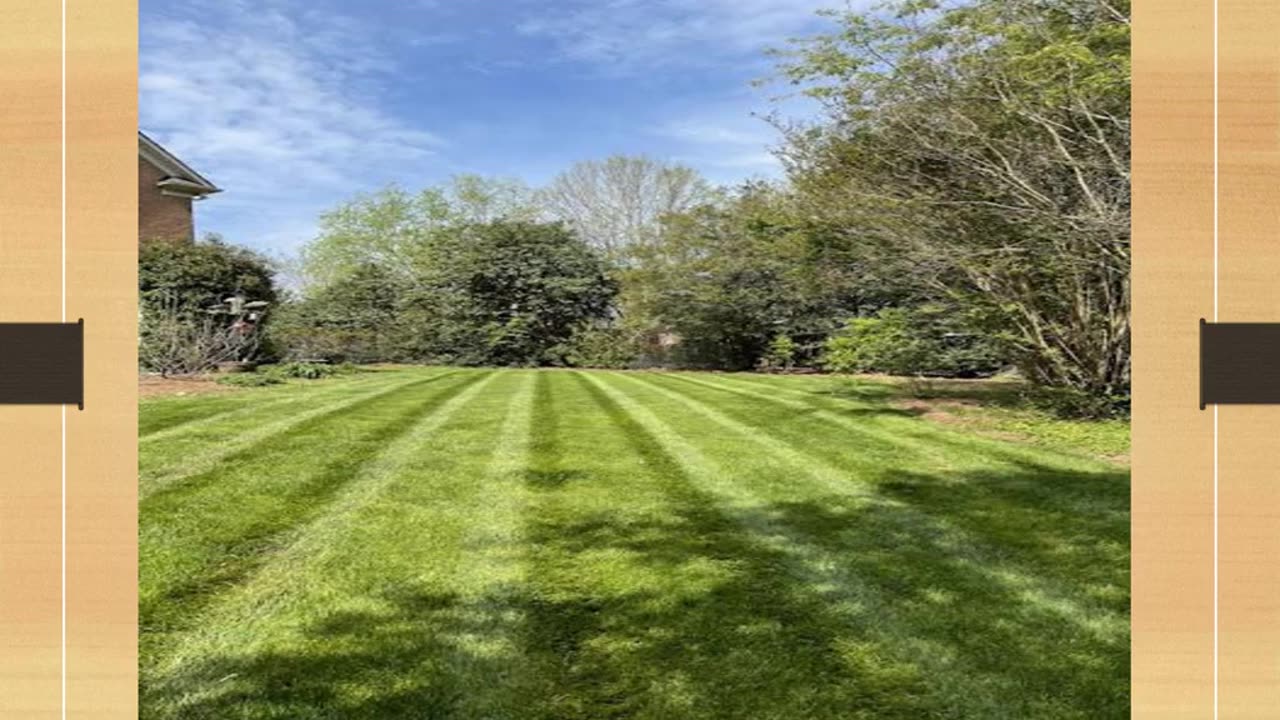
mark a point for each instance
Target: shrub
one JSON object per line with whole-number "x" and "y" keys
{"x": 510, "y": 293}
{"x": 601, "y": 347}
{"x": 200, "y": 274}
{"x": 781, "y": 353}
{"x": 173, "y": 341}
{"x": 302, "y": 371}
{"x": 177, "y": 284}
{"x": 926, "y": 340}
{"x": 358, "y": 318}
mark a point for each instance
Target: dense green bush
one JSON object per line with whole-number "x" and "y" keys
{"x": 781, "y": 354}
{"x": 610, "y": 347}
{"x": 177, "y": 284}
{"x": 510, "y": 293}
{"x": 202, "y": 274}
{"x": 301, "y": 371}
{"x": 724, "y": 280}
{"x": 926, "y": 340}
{"x": 356, "y": 318}
{"x": 491, "y": 293}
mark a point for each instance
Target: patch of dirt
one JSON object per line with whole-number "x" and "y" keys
{"x": 942, "y": 411}
{"x": 951, "y": 411}
{"x": 156, "y": 386}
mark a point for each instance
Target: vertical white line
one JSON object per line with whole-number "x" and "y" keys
{"x": 1215, "y": 563}
{"x": 1215, "y": 319}
{"x": 63, "y": 160}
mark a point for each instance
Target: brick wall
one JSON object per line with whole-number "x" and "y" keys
{"x": 161, "y": 217}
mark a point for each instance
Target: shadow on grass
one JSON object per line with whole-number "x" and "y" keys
{"x": 831, "y": 607}
{"x": 760, "y": 640}
{"x": 397, "y": 662}
{"x": 233, "y": 557}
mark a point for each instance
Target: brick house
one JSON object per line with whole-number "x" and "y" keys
{"x": 166, "y": 189}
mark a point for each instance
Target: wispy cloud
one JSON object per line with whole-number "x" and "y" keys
{"x": 293, "y": 106}
{"x": 630, "y": 35}
{"x": 725, "y": 142}
{"x": 278, "y": 103}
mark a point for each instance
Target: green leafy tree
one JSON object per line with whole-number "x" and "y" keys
{"x": 509, "y": 293}
{"x": 199, "y": 275}
{"x": 393, "y": 228}
{"x": 356, "y": 318}
{"x": 723, "y": 280}
{"x": 178, "y": 283}
{"x": 982, "y": 150}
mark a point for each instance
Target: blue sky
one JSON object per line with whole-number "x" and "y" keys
{"x": 293, "y": 105}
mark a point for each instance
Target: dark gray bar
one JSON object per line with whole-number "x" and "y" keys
{"x": 1239, "y": 363}
{"x": 42, "y": 364}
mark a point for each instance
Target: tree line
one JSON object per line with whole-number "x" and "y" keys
{"x": 959, "y": 206}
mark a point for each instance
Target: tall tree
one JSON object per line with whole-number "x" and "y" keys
{"x": 356, "y": 318}
{"x": 510, "y": 293}
{"x": 983, "y": 147}
{"x": 392, "y": 228}
{"x": 616, "y": 204}
{"x": 726, "y": 279}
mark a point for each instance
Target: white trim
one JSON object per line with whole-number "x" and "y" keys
{"x": 173, "y": 168}
{"x": 178, "y": 187}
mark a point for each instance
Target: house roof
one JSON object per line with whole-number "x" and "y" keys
{"x": 180, "y": 178}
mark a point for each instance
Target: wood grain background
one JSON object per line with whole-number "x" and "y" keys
{"x": 1172, "y": 453}
{"x": 101, "y": 441}
{"x": 1249, "y": 290}
{"x": 1173, "y": 536}
{"x": 1173, "y": 447}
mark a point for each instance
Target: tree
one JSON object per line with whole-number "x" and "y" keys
{"x": 984, "y": 148}
{"x": 725, "y": 279}
{"x": 196, "y": 276}
{"x": 178, "y": 283}
{"x": 356, "y": 318}
{"x": 510, "y": 293}
{"x": 392, "y": 228}
{"x": 616, "y": 204}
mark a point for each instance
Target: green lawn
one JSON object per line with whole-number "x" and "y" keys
{"x": 442, "y": 543}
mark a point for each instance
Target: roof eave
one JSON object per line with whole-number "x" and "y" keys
{"x": 169, "y": 164}
{"x": 186, "y": 188}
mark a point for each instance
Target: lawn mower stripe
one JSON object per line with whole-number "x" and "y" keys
{"x": 289, "y": 395}
{"x": 152, "y": 480}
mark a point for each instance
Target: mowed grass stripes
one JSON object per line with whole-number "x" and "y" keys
{"x": 446, "y": 543}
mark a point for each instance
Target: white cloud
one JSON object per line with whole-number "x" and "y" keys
{"x": 726, "y": 140}
{"x": 629, "y": 35}
{"x": 714, "y": 132}
{"x": 276, "y": 104}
